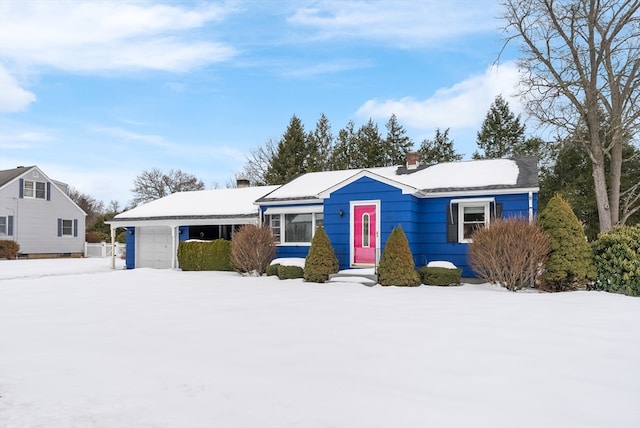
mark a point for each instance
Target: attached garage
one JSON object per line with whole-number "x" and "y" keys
{"x": 155, "y": 229}
{"x": 154, "y": 247}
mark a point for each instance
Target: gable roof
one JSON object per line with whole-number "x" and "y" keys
{"x": 199, "y": 204}
{"x": 425, "y": 181}
{"x": 8, "y": 175}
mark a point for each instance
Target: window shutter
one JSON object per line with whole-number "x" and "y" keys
{"x": 21, "y": 191}
{"x": 59, "y": 227}
{"x": 495, "y": 211}
{"x": 75, "y": 228}
{"x": 48, "y": 190}
{"x": 10, "y": 225}
{"x": 452, "y": 223}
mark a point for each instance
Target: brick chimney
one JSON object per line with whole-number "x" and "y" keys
{"x": 413, "y": 160}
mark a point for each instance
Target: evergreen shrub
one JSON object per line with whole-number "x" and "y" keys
{"x": 396, "y": 263}
{"x": 617, "y": 260}
{"x": 321, "y": 260}
{"x": 9, "y": 249}
{"x": 290, "y": 272}
{"x": 510, "y": 252}
{"x": 252, "y": 249}
{"x": 440, "y": 275}
{"x": 570, "y": 263}
{"x": 205, "y": 255}
{"x": 272, "y": 270}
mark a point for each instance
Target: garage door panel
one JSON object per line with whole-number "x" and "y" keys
{"x": 154, "y": 247}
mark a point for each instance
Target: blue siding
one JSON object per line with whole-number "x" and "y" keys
{"x": 433, "y": 245}
{"x": 424, "y": 221}
{"x": 130, "y": 260}
{"x": 183, "y": 233}
{"x": 395, "y": 209}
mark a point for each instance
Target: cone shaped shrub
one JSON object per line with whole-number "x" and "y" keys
{"x": 570, "y": 263}
{"x": 321, "y": 260}
{"x": 396, "y": 263}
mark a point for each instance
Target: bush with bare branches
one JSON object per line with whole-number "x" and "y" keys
{"x": 252, "y": 249}
{"x": 511, "y": 252}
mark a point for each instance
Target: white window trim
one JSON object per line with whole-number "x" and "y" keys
{"x": 298, "y": 210}
{"x": 33, "y": 189}
{"x": 64, "y": 235}
{"x": 466, "y": 203}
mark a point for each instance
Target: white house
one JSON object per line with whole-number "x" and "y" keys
{"x": 37, "y": 213}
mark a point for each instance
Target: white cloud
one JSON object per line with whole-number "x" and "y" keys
{"x": 463, "y": 105}
{"x": 107, "y": 36}
{"x": 155, "y": 140}
{"x": 399, "y": 22}
{"x": 13, "y": 98}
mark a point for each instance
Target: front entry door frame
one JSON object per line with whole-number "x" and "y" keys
{"x": 352, "y": 238}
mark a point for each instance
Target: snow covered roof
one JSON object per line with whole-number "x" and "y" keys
{"x": 215, "y": 203}
{"x": 424, "y": 181}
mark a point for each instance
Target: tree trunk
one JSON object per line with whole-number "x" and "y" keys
{"x": 602, "y": 200}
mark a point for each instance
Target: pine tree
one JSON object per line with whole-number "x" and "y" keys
{"x": 396, "y": 263}
{"x": 321, "y": 260}
{"x": 570, "y": 263}
{"x": 370, "y": 147}
{"x": 290, "y": 160}
{"x": 501, "y": 134}
{"x": 440, "y": 149}
{"x": 346, "y": 148}
{"x": 397, "y": 144}
{"x": 320, "y": 144}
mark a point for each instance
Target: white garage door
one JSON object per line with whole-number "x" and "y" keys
{"x": 154, "y": 247}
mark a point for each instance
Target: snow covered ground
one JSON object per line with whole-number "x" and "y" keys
{"x": 84, "y": 346}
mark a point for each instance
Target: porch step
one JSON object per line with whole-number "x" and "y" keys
{"x": 361, "y": 276}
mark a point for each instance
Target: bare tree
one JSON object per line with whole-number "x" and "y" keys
{"x": 154, "y": 184}
{"x": 89, "y": 205}
{"x": 581, "y": 59}
{"x": 258, "y": 163}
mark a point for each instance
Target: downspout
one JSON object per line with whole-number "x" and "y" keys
{"x": 530, "y": 207}
{"x": 174, "y": 234}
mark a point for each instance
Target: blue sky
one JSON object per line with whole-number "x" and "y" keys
{"x": 96, "y": 92}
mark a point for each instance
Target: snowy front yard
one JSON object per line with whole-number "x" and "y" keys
{"x": 83, "y": 346}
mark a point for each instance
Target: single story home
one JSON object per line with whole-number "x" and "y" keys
{"x": 38, "y": 214}
{"x": 438, "y": 206}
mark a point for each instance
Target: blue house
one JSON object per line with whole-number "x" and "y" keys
{"x": 438, "y": 206}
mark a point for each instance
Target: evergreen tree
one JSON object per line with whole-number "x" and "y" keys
{"x": 440, "y": 149}
{"x": 397, "y": 144}
{"x": 321, "y": 260}
{"x": 290, "y": 160}
{"x": 570, "y": 263}
{"x": 320, "y": 144}
{"x": 501, "y": 134}
{"x": 370, "y": 147}
{"x": 346, "y": 149}
{"x": 396, "y": 263}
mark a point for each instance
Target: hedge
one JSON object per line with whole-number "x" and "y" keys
{"x": 205, "y": 255}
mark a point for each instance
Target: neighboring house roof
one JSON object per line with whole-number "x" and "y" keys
{"x": 8, "y": 175}
{"x": 200, "y": 204}
{"x": 424, "y": 181}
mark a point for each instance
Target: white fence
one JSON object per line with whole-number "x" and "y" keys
{"x": 103, "y": 249}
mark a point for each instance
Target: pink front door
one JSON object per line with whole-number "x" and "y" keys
{"x": 364, "y": 234}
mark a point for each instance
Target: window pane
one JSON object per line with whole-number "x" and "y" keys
{"x": 273, "y": 221}
{"x": 319, "y": 219}
{"x": 67, "y": 227}
{"x": 3, "y": 225}
{"x": 297, "y": 228}
{"x": 365, "y": 230}
{"x": 40, "y": 190}
{"x": 473, "y": 219}
{"x": 28, "y": 189}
